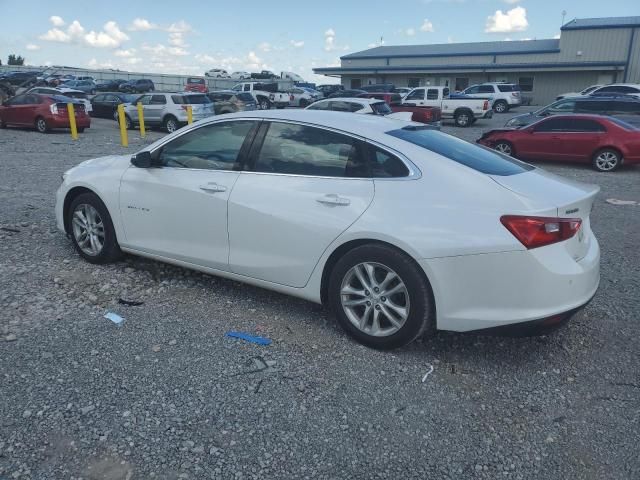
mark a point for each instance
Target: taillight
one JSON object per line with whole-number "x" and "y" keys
{"x": 53, "y": 108}
{"x": 534, "y": 232}
{"x": 485, "y": 105}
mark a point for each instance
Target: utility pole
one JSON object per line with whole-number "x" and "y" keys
{"x": 564, "y": 14}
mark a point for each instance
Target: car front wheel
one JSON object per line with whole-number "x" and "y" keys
{"x": 381, "y": 297}
{"x": 504, "y": 147}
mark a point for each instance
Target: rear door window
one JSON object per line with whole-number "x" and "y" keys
{"x": 486, "y": 89}
{"x": 586, "y": 125}
{"x": 509, "y": 88}
{"x": 455, "y": 149}
{"x": 618, "y": 107}
{"x": 158, "y": 100}
{"x": 591, "y": 107}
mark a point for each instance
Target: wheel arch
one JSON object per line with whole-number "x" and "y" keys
{"x": 343, "y": 248}
{"x": 71, "y": 195}
{"x": 609, "y": 147}
{"x": 460, "y": 110}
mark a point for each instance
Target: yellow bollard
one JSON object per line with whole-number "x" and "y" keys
{"x": 141, "y": 120}
{"x": 72, "y": 121}
{"x": 189, "y": 114}
{"x": 124, "y": 137}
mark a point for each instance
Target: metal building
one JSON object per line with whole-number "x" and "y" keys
{"x": 589, "y": 51}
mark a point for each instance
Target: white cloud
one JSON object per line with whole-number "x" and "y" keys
{"x": 133, "y": 60}
{"x": 177, "y": 39}
{"x": 511, "y": 2}
{"x": 32, "y": 47}
{"x": 253, "y": 61}
{"x": 125, "y": 53}
{"x": 297, "y": 44}
{"x": 56, "y": 21}
{"x": 410, "y": 32}
{"x": 556, "y": 36}
{"x": 141, "y": 25}
{"x": 264, "y": 47}
{"x": 93, "y": 63}
{"x": 161, "y": 50}
{"x": 179, "y": 27}
{"x": 330, "y": 41}
{"x": 110, "y": 37}
{"x": 515, "y": 20}
{"x": 427, "y": 26}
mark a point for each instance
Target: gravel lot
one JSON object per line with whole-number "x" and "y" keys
{"x": 168, "y": 396}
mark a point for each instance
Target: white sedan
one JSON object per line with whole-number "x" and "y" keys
{"x": 400, "y": 229}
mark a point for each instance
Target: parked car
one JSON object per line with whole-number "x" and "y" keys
{"x": 586, "y": 91}
{"x": 140, "y": 85}
{"x": 394, "y": 227}
{"x": 110, "y": 85}
{"x": 169, "y": 110}
{"x": 462, "y": 109}
{"x": 264, "y": 75}
{"x": 86, "y": 86}
{"x": 505, "y": 95}
{"x": 230, "y": 101}
{"x": 379, "y": 87}
{"x": 605, "y": 142}
{"x": 345, "y": 93}
{"x": 217, "y": 73}
{"x": 196, "y": 84}
{"x": 619, "y": 88}
{"x": 403, "y": 91}
{"x": 291, "y": 76}
{"x": 301, "y": 97}
{"x": 105, "y": 105}
{"x": 614, "y": 105}
{"x": 266, "y": 94}
{"x": 329, "y": 89}
{"x": 241, "y": 75}
{"x": 42, "y": 112}
{"x": 428, "y": 115}
{"x": 78, "y": 95}
{"x": 22, "y": 77}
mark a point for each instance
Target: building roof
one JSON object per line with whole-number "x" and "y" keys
{"x": 607, "y": 22}
{"x": 460, "y": 49}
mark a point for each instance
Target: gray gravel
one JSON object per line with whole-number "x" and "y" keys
{"x": 167, "y": 396}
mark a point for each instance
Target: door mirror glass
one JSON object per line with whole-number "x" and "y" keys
{"x": 142, "y": 160}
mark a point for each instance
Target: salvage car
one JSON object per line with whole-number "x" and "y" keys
{"x": 65, "y": 92}
{"x": 462, "y": 109}
{"x": 105, "y": 105}
{"x": 230, "y": 101}
{"x": 605, "y": 142}
{"x": 400, "y": 229}
{"x": 42, "y": 112}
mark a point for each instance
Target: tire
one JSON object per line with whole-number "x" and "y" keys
{"x": 109, "y": 251}
{"x": 128, "y": 123}
{"x": 501, "y": 106}
{"x": 264, "y": 104}
{"x": 170, "y": 124}
{"x": 416, "y": 297}
{"x": 41, "y": 125}
{"x": 114, "y": 115}
{"x": 463, "y": 119}
{"x": 3, "y": 124}
{"x": 606, "y": 160}
{"x": 504, "y": 147}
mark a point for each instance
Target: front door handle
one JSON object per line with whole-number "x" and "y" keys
{"x": 213, "y": 188}
{"x": 333, "y": 199}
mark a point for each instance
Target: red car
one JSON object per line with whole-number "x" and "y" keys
{"x": 195, "y": 84}
{"x": 43, "y": 112}
{"x": 428, "y": 115}
{"x": 605, "y": 142}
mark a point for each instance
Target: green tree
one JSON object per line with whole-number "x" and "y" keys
{"x": 15, "y": 59}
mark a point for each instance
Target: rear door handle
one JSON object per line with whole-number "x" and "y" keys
{"x": 213, "y": 188}
{"x": 333, "y": 199}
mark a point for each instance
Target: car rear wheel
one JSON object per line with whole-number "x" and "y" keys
{"x": 380, "y": 297}
{"x": 170, "y": 124}
{"x": 504, "y": 147}
{"x": 463, "y": 119}
{"x": 128, "y": 123}
{"x": 91, "y": 229}
{"x": 606, "y": 160}
{"x": 501, "y": 106}
{"x": 41, "y": 125}
{"x": 264, "y": 104}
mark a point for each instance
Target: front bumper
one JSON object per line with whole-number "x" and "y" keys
{"x": 476, "y": 292}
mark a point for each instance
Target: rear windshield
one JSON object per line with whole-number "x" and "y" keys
{"x": 245, "y": 97}
{"x": 623, "y": 124}
{"x": 509, "y": 88}
{"x": 479, "y": 158}
{"x": 381, "y": 108}
{"x": 196, "y": 80}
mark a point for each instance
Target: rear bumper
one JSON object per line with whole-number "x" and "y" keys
{"x": 63, "y": 122}
{"x": 477, "y": 292}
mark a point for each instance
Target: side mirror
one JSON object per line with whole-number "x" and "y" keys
{"x": 142, "y": 160}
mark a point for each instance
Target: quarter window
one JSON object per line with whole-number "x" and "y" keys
{"x": 301, "y": 150}
{"x": 213, "y": 147}
{"x": 385, "y": 165}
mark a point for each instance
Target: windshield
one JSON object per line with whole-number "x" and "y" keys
{"x": 478, "y": 158}
{"x": 199, "y": 81}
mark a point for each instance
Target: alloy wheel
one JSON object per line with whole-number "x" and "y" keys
{"x": 375, "y": 299}
{"x": 504, "y": 147}
{"x": 88, "y": 229}
{"x": 500, "y": 107}
{"x": 171, "y": 125}
{"x": 41, "y": 125}
{"x": 606, "y": 161}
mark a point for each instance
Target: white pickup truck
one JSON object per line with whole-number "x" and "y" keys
{"x": 464, "y": 110}
{"x": 266, "y": 94}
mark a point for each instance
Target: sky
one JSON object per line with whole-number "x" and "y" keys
{"x": 190, "y": 37}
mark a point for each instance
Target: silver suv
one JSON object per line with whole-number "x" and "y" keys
{"x": 168, "y": 110}
{"x": 505, "y": 95}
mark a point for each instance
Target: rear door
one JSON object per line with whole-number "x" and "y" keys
{"x": 583, "y": 139}
{"x": 27, "y": 111}
{"x": 306, "y": 186}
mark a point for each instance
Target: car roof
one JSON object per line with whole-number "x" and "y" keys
{"x": 601, "y": 98}
{"x": 363, "y": 100}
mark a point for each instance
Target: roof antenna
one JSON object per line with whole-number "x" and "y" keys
{"x": 564, "y": 14}
{"x": 381, "y": 40}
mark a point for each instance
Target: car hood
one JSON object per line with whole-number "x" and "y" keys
{"x": 100, "y": 164}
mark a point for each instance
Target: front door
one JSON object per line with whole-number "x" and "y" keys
{"x": 305, "y": 188}
{"x": 544, "y": 140}
{"x": 415, "y": 97}
{"x": 154, "y": 111}
{"x": 179, "y": 209}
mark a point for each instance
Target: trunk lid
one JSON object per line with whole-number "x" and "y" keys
{"x": 550, "y": 195}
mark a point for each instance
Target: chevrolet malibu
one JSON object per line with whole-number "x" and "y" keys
{"x": 400, "y": 229}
